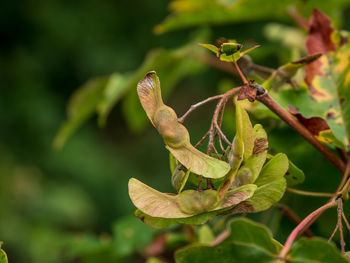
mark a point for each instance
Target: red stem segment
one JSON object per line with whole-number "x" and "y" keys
{"x": 302, "y": 226}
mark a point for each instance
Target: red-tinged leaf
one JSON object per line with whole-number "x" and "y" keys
{"x": 318, "y": 41}
{"x": 314, "y": 124}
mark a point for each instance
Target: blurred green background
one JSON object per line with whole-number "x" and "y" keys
{"x": 72, "y": 205}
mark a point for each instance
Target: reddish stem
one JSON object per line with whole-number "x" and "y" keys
{"x": 302, "y": 226}
{"x": 296, "y": 125}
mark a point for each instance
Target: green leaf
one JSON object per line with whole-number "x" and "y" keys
{"x": 245, "y": 130}
{"x": 264, "y": 197}
{"x": 226, "y": 56}
{"x": 342, "y": 69}
{"x": 328, "y": 136}
{"x": 205, "y": 235}
{"x": 179, "y": 178}
{"x": 247, "y": 242}
{"x": 294, "y": 175}
{"x": 160, "y": 223}
{"x": 273, "y": 170}
{"x": 3, "y": 256}
{"x": 130, "y": 235}
{"x": 175, "y": 135}
{"x": 250, "y": 170}
{"x": 200, "y": 163}
{"x": 81, "y": 106}
{"x": 212, "y": 48}
{"x": 285, "y": 73}
{"x": 114, "y": 90}
{"x": 191, "y": 13}
{"x": 315, "y": 250}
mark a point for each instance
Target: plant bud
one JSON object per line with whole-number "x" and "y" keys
{"x": 229, "y": 48}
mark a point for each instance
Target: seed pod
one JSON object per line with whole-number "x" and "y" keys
{"x": 193, "y": 202}
{"x": 229, "y": 49}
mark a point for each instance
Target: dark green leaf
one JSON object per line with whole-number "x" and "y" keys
{"x": 315, "y": 250}
{"x": 294, "y": 175}
{"x": 248, "y": 242}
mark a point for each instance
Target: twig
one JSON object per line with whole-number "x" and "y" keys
{"x": 289, "y": 213}
{"x": 339, "y": 223}
{"x": 344, "y": 182}
{"x": 245, "y": 82}
{"x": 202, "y": 140}
{"x": 261, "y": 68}
{"x": 307, "y": 193}
{"x": 334, "y": 231}
{"x": 198, "y": 104}
{"x": 220, "y": 238}
{"x": 296, "y": 125}
{"x": 301, "y": 21}
{"x": 346, "y": 221}
{"x": 214, "y": 122}
{"x": 302, "y": 227}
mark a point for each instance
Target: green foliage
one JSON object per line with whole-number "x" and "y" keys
{"x": 69, "y": 206}
{"x": 3, "y": 256}
{"x": 252, "y": 242}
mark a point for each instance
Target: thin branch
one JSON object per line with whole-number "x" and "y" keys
{"x": 220, "y": 238}
{"x": 296, "y": 125}
{"x": 303, "y": 226}
{"x": 202, "y": 140}
{"x": 346, "y": 221}
{"x": 245, "y": 82}
{"x": 307, "y": 193}
{"x": 198, "y": 104}
{"x": 261, "y": 68}
{"x": 333, "y": 233}
{"x": 339, "y": 223}
{"x": 344, "y": 182}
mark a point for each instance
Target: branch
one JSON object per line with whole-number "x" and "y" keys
{"x": 302, "y": 226}
{"x": 198, "y": 104}
{"x": 307, "y": 193}
{"x": 296, "y": 125}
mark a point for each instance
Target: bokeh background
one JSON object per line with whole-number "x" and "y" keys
{"x": 71, "y": 204}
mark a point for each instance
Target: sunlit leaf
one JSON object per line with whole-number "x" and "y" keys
{"x": 273, "y": 170}
{"x": 3, "y": 256}
{"x": 264, "y": 197}
{"x": 285, "y": 73}
{"x": 294, "y": 175}
{"x": 250, "y": 170}
{"x": 179, "y": 178}
{"x": 205, "y": 235}
{"x": 210, "y": 47}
